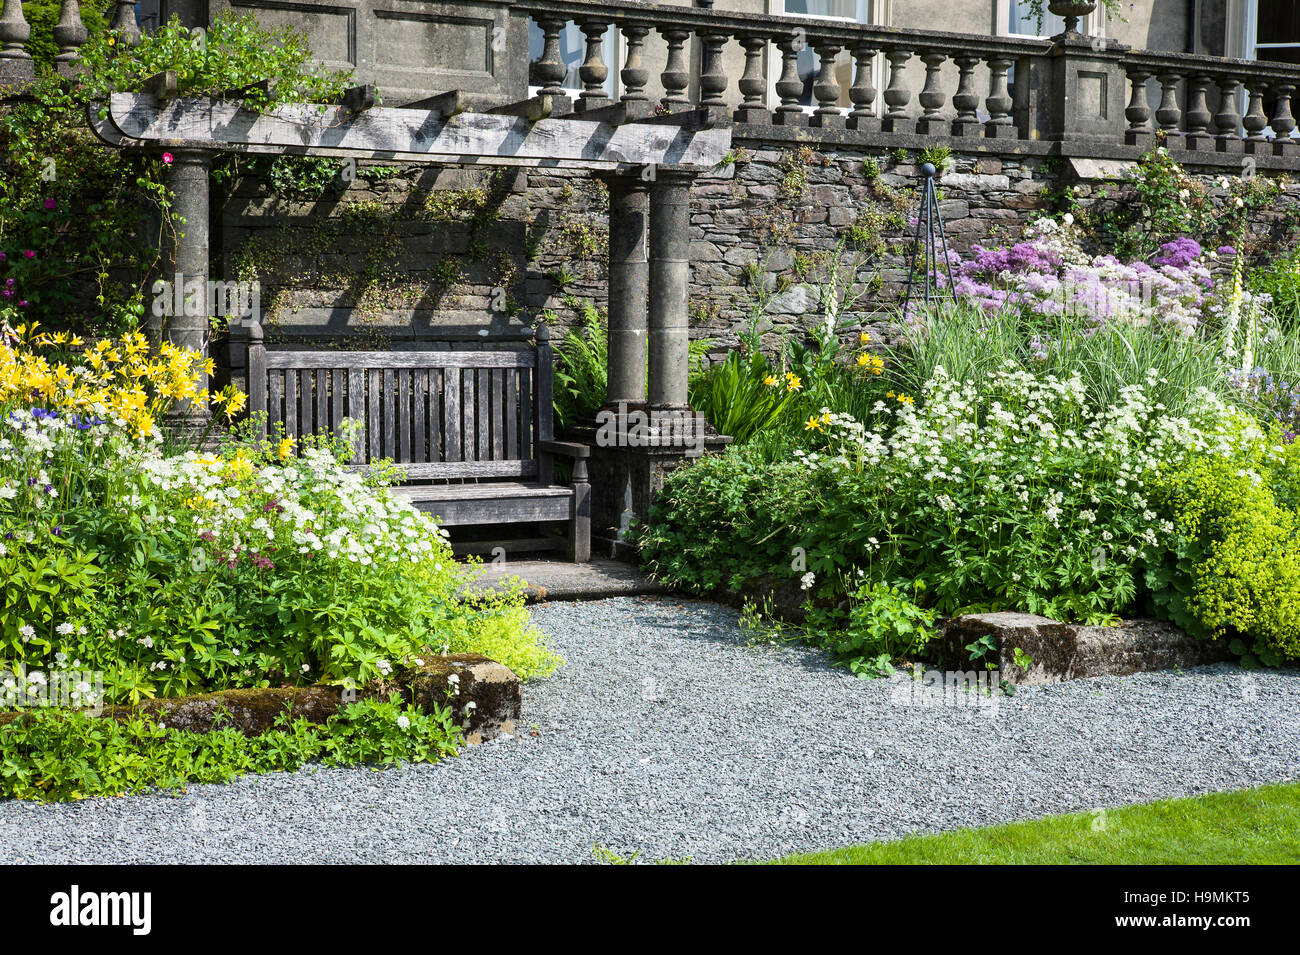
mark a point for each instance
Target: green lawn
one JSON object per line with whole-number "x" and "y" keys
{"x": 1254, "y": 827}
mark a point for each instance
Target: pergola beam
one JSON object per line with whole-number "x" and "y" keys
{"x": 412, "y": 135}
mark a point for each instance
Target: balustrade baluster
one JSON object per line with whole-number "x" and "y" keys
{"x": 675, "y": 77}
{"x": 124, "y": 22}
{"x": 966, "y": 101}
{"x": 789, "y": 87}
{"x": 1226, "y": 120}
{"x": 897, "y": 94}
{"x": 69, "y": 34}
{"x": 1255, "y": 121}
{"x": 862, "y": 94}
{"x": 713, "y": 75}
{"x": 549, "y": 69}
{"x": 634, "y": 74}
{"x": 15, "y": 61}
{"x": 593, "y": 71}
{"x": 931, "y": 97}
{"x": 1198, "y": 113}
{"x": 1283, "y": 122}
{"x": 826, "y": 88}
{"x": 1168, "y": 114}
{"x": 999, "y": 102}
{"x": 1138, "y": 111}
{"x": 753, "y": 85}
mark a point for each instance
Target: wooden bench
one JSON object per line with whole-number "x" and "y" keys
{"x": 473, "y": 430}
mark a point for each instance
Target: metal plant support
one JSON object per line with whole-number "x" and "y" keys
{"x": 930, "y": 221}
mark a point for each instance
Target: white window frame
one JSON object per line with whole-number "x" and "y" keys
{"x": 1242, "y": 43}
{"x": 1092, "y": 24}
{"x": 869, "y": 13}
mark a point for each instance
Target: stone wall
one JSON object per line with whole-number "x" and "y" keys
{"x": 423, "y": 253}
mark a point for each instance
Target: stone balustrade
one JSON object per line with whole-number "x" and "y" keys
{"x": 1183, "y": 88}
{"x": 69, "y": 35}
{"x": 766, "y": 87}
{"x": 852, "y": 82}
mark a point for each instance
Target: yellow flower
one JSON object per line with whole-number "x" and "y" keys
{"x": 770, "y": 381}
{"x": 285, "y": 448}
{"x": 906, "y": 399}
{"x": 864, "y": 337}
{"x": 792, "y": 381}
{"x": 873, "y": 363}
{"x": 889, "y": 394}
{"x": 814, "y": 423}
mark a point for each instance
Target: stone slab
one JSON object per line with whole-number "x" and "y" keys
{"x": 561, "y": 580}
{"x": 1060, "y": 651}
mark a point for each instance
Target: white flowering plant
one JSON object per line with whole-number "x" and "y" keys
{"x": 1012, "y": 491}
{"x": 263, "y": 564}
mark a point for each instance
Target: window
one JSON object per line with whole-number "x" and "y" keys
{"x": 1012, "y": 18}
{"x": 1273, "y": 31}
{"x": 855, "y": 11}
{"x": 573, "y": 50}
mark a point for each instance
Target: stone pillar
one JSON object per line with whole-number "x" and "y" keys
{"x": 1088, "y": 87}
{"x": 628, "y": 289}
{"x": 670, "y": 280}
{"x": 190, "y": 326}
{"x": 633, "y": 447}
{"x": 15, "y": 62}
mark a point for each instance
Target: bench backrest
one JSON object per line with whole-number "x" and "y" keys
{"x": 440, "y": 414}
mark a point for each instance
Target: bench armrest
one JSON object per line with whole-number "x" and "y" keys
{"x": 569, "y": 449}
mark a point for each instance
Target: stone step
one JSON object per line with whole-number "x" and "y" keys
{"x": 1061, "y": 651}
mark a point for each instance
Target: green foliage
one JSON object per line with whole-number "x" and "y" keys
{"x": 85, "y": 212}
{"x": 939, "y": 156}
{"x": 57, "y": 755}
{"x": 969, "y": 343}
{"x": 1160, "y": 202}
{"x": 234, "y": 54}
{"x": 42, "y": 15}
{"x": 1047, "y": 512}
{"x": 742, "y": 395}
{"x": 173, "y": 572}
{"x": 581, "y": 373}
{"x": 1279, "y": 278}
{"x": 880, "y": 625}
{"x": 1235, "y": 553}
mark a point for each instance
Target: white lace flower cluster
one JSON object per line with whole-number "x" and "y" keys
{"x": 308, "y": 505}
{"x": 1031, "y": 439}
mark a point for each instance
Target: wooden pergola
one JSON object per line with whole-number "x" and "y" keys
{"x": 648, "y": 161}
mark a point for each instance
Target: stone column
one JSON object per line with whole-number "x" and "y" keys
{"x": 15, "y": 62}
{"x": 190, "y": 328}
{"x": 628, "y": 289}
{"x": 670, "y": 279}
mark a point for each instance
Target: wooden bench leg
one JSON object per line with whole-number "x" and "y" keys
{"x": 580, "y": 522}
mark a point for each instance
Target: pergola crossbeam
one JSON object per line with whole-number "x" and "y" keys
{"x": 404, "y": 134}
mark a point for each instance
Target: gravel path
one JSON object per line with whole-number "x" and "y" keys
{"x": 665, "y": 734}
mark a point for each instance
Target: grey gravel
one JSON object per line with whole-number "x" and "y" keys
{"x": 666, "y": 734}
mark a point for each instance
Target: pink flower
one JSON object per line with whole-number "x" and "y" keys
{"x": 28, "y": 254}
{"x": 51, "y": 203}
{"x": 167, "y": 159}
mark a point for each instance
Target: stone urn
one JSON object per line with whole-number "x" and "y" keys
{"x": 1071, "y": 11}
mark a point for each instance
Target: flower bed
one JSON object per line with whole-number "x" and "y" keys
{"x": 164, "y": 571}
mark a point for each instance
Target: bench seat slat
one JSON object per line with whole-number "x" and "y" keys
{"x": 460, "y": 504}
{"x": 298, "y": 360}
